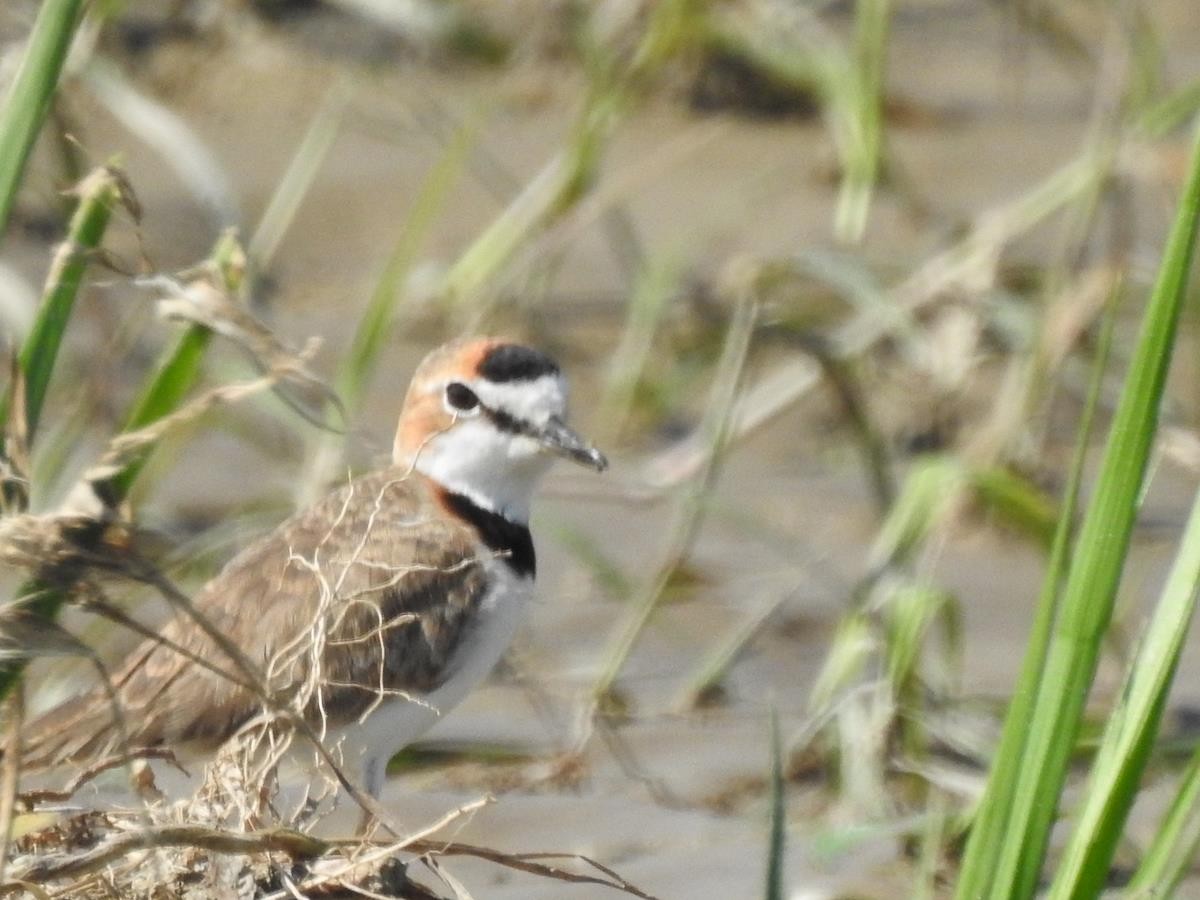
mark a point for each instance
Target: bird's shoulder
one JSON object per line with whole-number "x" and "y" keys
{"x": 376, "y": 569}
{"x": 386, "y": 527}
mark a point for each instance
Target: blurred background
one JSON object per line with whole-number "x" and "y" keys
{"x": 828, "y": 280}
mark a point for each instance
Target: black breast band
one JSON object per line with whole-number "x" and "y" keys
{"x": 510, "y": 539}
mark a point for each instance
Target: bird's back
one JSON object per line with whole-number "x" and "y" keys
{"x": 361, "y": 598}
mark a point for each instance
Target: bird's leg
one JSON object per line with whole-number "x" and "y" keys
{"x": 374, "y": 772}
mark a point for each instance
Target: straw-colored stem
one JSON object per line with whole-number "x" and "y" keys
{"x": 693, "y": 504}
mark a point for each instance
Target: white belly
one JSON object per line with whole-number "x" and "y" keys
{"x": 398, "y": 721}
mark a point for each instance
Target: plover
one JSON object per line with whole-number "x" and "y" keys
{"x": 377, "y": 609}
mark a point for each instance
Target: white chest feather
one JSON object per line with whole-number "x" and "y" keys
{"x": 399, "y": 721}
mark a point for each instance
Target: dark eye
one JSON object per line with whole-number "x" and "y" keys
{"x": 461, "y": 397}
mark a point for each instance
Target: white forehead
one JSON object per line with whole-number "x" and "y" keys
{"x": 533, "y": 400}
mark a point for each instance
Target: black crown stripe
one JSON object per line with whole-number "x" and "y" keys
{"x": 513, "y": 362}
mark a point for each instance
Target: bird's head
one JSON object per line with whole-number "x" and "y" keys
{"x": 485, "y": 418}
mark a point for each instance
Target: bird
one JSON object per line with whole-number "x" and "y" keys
{"x": 373, "y": 612}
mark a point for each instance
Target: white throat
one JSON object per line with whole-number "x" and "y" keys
{"x": 495, "y": 468}
{"x": 498, "y": 472}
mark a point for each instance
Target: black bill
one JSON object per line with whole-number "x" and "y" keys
{"x": 557, "y": 437}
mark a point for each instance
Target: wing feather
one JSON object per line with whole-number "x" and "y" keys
{"x": 364, "y": 595}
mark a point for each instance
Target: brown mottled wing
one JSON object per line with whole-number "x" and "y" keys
{"x": 364, "y": 595}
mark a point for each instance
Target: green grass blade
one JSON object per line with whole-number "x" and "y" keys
{"x": 656, "y": 284}
{"x": 1174, "y": 847}
{"x": 932, "y": 487}
{"x": 378, "y": 319}
{"x": 911, "y": 610}
{"x": 1093, "y": 578}
{"x": 177, "y": 373}
{"x": 554, "y": 190}
{"x": 1131, "y": 730}
{"x": 983, "y": 847}
{"x": 98, "y": 194}
{"x": 1171, "y": 112}
{"x": 374, "y": 326}
{"x": 567, "y": 177}
{"x": 1014, "y": 500}
{"x": 180, "y": 367}
{"x": 861, "y": 156}
{"x": 299, "y": 177}
{"x": 705, "y": 682}
{"x": 32, "y": 90}
{"x": 854, "y": 647}
{"x": 693, "y": 502}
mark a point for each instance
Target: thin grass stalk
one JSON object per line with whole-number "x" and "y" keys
{"x": 374, "y": 326}
{"x": 59, "y": 443}
{"x": 777, "y": 840}
{"x": 554, "y": 190}
{"x": 848, "y": 82}
{"x": 377, "y": 320}
{"x": 1093, "y": 578}
{"x": 1030, "y": 379}
{"x": 558, "y": 187}
{"x": 32, "y": 90}
{"x": 869, "y": 440}
{"x": 298, "y": 178}
{"x": 716, "y": 663}
{"x": 691, "y": 508}
{"x": 1031, "y": 376}
{"x": 865, "y": 119}
{"x": 1173, "y": 849}
{"x": 655, "y": 285}
{"x": 1171, "y": 112}
{"x": 118, "y": 850}
{"x": 1016, "y": 501}
{"x": 933, "y": 840}
{"x": 854, "y": 646}
{"x": 164, "y": 392}
{"x": 180, "y": 367}
{"x": 911, "y": 610}
{"x": 983, "y": 847}
{"x": 608, "y": 576}
{"x": 71, "y": 158}
{"x": 932, "y": 489}
{"x": 98, "y": 194}
{"x": 10, "y": 772}
{"x": 966, "y": 262}
{"x": 169, "y": 135}
{"x": 176, "y": 374}
{"x": 1132, "y": 728}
